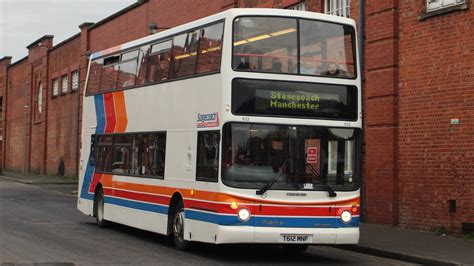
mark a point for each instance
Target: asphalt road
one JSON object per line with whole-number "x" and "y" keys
{"x": 40, "y": 225}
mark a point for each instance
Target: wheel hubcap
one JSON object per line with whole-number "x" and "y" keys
{"x": 178, "y": 224}
{"x": 100, "y": 209}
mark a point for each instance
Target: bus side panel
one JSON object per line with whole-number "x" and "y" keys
{"x": 86, "y": 171}
{"x": 150, "y": 221}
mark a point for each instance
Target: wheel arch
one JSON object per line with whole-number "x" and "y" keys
{"x": 175, "y": 199}
{"x": 98, "y": 187}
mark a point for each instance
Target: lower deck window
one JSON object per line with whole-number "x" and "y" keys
{"x": 138, "y": 154}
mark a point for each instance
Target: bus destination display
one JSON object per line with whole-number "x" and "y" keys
{"x": 294, "y": 99}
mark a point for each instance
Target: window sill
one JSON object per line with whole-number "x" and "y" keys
{"x": 429, "y": 14}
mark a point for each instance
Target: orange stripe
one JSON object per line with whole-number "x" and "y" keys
{"x": 120, "y": 112}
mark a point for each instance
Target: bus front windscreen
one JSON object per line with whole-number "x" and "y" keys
{"x": 294, "y": 46}
{"x": 292, "y": 157}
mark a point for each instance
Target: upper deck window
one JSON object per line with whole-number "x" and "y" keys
{"x": 184, "y": 54}
{"x": 270, "y": 44}
{"x": 187, "y": 54}
{"x": 159, "y": 62}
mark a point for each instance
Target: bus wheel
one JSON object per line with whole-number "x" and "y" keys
{"x": 178, "y": 227}
{"x": 99, "y": 209}
{"x": 295, "y": 249}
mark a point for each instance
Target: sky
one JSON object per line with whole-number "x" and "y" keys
{"x": 24, "y": 21}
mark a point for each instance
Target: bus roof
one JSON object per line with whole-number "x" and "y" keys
{"x": 230, "y": 13}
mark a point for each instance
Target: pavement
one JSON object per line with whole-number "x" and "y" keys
{"x": 383, "y": 241}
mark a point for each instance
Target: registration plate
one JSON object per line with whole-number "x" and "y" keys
{"x": 296, "y": 239}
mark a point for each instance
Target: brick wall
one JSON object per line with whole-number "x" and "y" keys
{"x": 63, "y": 111}
{"x": 15, "y": 146}
{"x": 436, "y": 77}
{"x": 381, "y": 112}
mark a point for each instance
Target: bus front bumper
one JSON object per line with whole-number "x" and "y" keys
{"x": 274, "y": 235}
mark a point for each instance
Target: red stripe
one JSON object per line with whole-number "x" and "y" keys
{"x": 290, "y": 210}
{"x": 109, "y": 112}
{"x": 95, "y": 180}
{"x": 137, "y": 196}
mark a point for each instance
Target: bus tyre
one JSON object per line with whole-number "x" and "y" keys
{"x": 99, "y": 209}
{"x": 295, "y": 249}
{"x": 178, "y": 227}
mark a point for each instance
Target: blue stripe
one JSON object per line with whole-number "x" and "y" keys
{"x": 100, "y": 113}
{"x": 137, "y": 205}
{"x": 269, "y": 221}
{"x": 214, "y": 218}
{"x": 86, "y": 182}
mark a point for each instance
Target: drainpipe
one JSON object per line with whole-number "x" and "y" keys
{"x": 362, "y": 78}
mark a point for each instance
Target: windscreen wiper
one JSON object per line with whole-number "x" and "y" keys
{"x": 274, "y": 179}
{"x": 331, "y": 192}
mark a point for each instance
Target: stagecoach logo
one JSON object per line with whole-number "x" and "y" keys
{"x": 208, "y": 120}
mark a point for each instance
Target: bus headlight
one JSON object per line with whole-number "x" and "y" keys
{"x": 346, "y": 217}
{"x": 243, "y": 214}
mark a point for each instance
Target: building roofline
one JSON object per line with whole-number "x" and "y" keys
{"x": 118, "y": 13}
{"x": 85, "y": 24}
{"x": 18, "y": 62}
{"x": 68, "y": 40}
{"x": 39, "y": 40}
{"x": 5, "y": 58}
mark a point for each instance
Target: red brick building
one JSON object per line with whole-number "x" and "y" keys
{"x": 418, "y": 96}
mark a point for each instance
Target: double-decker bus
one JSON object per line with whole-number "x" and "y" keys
{"x": 241, "y": 127}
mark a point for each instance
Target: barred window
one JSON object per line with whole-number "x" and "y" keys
{"x": 64, "y": 84}
{"x": 337, "y": 7}
{"x": 303, "y": 6}
{"x": 55, "y": 87}
{"x": 432, "y": 5}
{"x": 75, "y": 80}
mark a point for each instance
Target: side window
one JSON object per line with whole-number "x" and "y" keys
{"x": 93, "y": 84}
{"x": 122, "y": 154}
{"x": 142, "y": 64}
{"x": 105, "y": 158}
{"x": 184, "y": 54}
{"x": 207, "y": 156}
{"x": 154, "y": 150}
{"x": 109, "y": 75}
{"x": 210, "y": 44}
{"x": 130, "y": 154}
{"x": 127, "y": 69}
{"x": 159, "y": 62}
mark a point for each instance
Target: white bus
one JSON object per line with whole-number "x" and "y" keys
{"x": 241, "y": 127}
